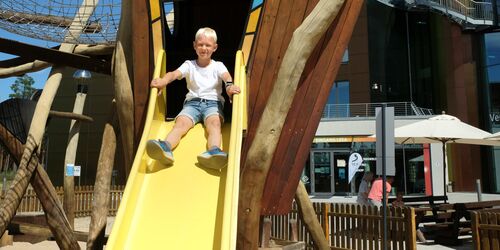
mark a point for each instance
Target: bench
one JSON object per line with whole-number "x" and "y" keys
{"x": 460, "y": 221}
{"x": 424, "y": 205}
{"x": 419, "y": 201}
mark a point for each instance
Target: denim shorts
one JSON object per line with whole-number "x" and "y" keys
{"x": 198, "y": 109}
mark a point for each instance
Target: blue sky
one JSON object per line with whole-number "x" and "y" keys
{"x": 40, "y": 77}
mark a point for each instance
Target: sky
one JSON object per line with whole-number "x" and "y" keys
{"x": 40, "y": 77}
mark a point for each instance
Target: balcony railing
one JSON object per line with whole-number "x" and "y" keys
{"x": 334, "y": 111}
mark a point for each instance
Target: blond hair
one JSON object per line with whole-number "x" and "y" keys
{"x": 207, "y": 32}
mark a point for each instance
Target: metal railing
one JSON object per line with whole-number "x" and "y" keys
{"x": 332, "y": 111}
{"x": 470, "y": 11}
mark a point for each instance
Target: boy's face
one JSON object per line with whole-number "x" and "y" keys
{"x": 204, "y": 47}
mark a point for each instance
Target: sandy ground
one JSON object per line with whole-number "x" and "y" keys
{"x": 31, "y": 243}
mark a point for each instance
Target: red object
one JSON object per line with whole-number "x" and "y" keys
{"x": 427, "y": 170}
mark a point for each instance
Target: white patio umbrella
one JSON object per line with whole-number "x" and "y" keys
{"x": 445, "y": 129}
{"x": 495, "y": 136}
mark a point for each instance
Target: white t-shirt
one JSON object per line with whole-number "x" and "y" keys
{"x": 203, "y": 82}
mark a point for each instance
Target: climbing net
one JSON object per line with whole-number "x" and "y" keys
{"x": 51, "y": 20}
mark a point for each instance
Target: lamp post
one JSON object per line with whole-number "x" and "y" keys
{"x": 82, "y": 77}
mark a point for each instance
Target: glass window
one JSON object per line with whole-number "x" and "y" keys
{"x": 492, "y": 46}
{"x": 338, "y": 101}
{"x": 345, "y": 57}
{"x": 332, "y": 162}
{"x": 492, "y": 42}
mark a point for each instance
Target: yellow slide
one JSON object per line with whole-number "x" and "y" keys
{"x": 183, "y": 206}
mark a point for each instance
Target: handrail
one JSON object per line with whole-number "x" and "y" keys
{"x": 238, "y": 119}
{"x": 478, "y": 11}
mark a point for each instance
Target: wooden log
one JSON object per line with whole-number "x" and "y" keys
{"x": 29, "y": 159}
{"x": 102, "y": 185}
{"x": 70, "y": 157}
{"x": 293, "y": 147}
{"x": 41, "y": 231}
{"x": 69, "y": 115}
{"x": 121, "y": 72}
{"x": 6, "y": 240}
{"x": 143, "y": 65}
{"x": 306, "y": 211}
{"x": 38, "y": 65}
{"x": 269, "y": 129}
{"x": 46, "y": 193}
{"x": 25, "y": 18}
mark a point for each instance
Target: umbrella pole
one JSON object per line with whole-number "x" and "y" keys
{"x": 444, "y": 172}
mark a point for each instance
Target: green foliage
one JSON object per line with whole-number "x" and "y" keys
{"x": 22, "y": 87}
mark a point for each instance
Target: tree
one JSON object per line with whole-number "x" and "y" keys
{"x": 22, "y": 87}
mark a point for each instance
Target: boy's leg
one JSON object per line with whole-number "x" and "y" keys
{"x": 213, "y": 158}
{"x": 182, "y": 125}
{"x": 162, "y": 150}
{"x": 213, "y": 127}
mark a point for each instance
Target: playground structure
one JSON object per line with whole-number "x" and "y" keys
{"x": 285, "y": 79}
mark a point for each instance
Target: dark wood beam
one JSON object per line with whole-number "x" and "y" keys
{"x": 53, "y": 56}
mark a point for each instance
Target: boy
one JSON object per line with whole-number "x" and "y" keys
{"x": 204, "y": 102}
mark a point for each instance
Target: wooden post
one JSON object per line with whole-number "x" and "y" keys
{"x": 29, "y": 159}
{"x": 306, "y": 211}
{"x": 260, "y": 153}
{"x": 121, "y": 71}
{"x": 476, "y": 240}
{"x": 73, "y": 136}
{"x": 266, "y": 233}
{"x": 295, "y": 232}
{"x": 99, "y": 215}
{"x": 47, "y": 195}
{"x": 411, "y": 233}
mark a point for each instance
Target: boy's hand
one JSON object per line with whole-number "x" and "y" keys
{"x": 158, "y": 83}
{"x": 231, "y": 90}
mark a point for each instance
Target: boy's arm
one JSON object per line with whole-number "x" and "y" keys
{"x": 160, "y": 83}
{"x": 230, "y": 87}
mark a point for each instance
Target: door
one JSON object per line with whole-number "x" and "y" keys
{"x": 341, "y": 172}
{"x": 321, "y": 173}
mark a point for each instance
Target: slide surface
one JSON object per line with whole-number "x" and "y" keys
{"x": 184, "y": 206}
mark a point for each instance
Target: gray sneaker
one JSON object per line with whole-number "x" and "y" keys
{"x": 214, "y": 158}
{"x": 159, "y": 150}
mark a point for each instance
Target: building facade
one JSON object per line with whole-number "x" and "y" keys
{"x": 417, "y": 56}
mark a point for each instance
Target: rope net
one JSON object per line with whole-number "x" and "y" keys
{"x": 51, "y": 20}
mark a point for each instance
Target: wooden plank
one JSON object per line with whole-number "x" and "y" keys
{"x": 475, "y": 230}
{"x": 259, "y": 157}
{"x": 271, "y": 10}
{"x": 364, "y": 223}
{"x": 348, "y": 226}
{"x": 290, "y": 138}
{"x": 55, "y": 56}
{"x": 497, "y": 223}
{"x": 337, "y": 225}
{"x": 400, "y": 229}
{"x": 495, "y": 243}
{"x": 359, "y": 226}
{"x": 485, "y": 243}
{"x": 270, "y": 65}
{"x": 303, "y": 135}
{"x": 142, "y": 64}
